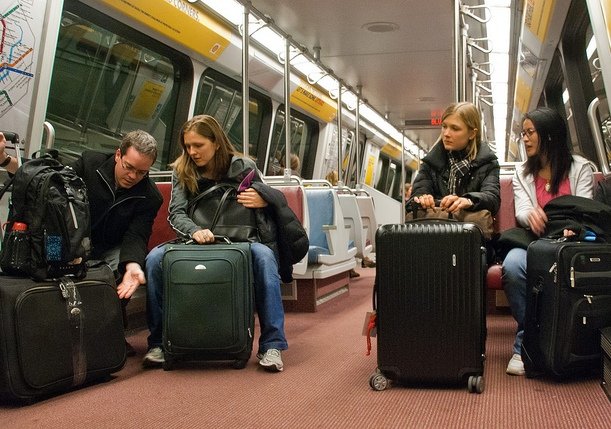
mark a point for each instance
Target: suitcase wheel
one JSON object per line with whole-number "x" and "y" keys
{"x": 378, "y": 381}
{"x": 168, "y": 364}
{"x": 475, "y": 384}
{"x": 239, "y": 364}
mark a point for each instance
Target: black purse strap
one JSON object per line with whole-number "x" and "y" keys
{"x": 215, "y": 219}
{"x": 204, "y": 194}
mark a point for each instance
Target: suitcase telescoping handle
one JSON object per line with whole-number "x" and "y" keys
{"x": 217, "y": 239}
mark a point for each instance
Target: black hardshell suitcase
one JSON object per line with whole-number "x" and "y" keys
{"x": 568, "y": 301}
{"x": 605, "y": 345}
{"x": 54, "y": 338}
{"x": 208, "y": 303}
{"x": 430, "y": 304}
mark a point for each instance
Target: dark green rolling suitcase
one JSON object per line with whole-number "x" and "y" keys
{"x": 208, "y": 303}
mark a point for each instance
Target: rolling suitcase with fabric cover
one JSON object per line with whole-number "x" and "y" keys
{"x": 208, "y": 303}
{"x": 58, "y": 334}
{"x": 430, "y": 304}
{"x": 568, "y": 301}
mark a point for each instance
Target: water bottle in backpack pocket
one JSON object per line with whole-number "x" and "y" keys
{"x": 15, "y": 257}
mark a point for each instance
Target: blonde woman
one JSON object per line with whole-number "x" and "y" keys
{"x": 460, "y": 170}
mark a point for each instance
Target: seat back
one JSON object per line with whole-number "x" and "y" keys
{"x": 296, "y": 199}
{"x": 162, "y": 231}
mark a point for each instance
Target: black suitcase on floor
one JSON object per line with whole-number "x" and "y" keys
{"x": 54, "y": 336}
{"x": 430, "y": 304}
{"x": 208, "y": 303}
{"x": 605, "y": 345}
{"x": 568, "y": 301}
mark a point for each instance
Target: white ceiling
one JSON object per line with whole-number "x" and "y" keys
{"x": 407, "y": 73}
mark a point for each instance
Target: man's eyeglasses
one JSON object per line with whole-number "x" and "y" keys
{"x": 529, "y": 132}
{"x": 131, "y": 169}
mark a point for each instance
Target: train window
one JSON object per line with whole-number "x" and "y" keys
{"x": 303, "y": 134}
{"x": 221, "y": 97}
{"x": 108, "y": 80}
{"x": 330, "y": 163}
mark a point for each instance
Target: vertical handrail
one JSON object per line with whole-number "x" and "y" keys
{"x": 599, "y": 143}
{"x": 287, "y": 108}
{"x": 49, "y": 132}
{"x": 245, "y": 87}
{"x": 357, "y": 131}
{"x": 339, "y": 133}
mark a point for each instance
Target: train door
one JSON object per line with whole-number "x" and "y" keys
{"x": 599, "y": 60}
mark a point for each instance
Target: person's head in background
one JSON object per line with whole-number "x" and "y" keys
{"x": 461, "y": 129}
{"x": 407, "y": 190}
{"x": 332, "y": 177}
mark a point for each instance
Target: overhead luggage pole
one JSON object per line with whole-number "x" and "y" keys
{"x": 245, "y": 92}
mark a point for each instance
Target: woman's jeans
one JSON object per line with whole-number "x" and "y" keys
{"x": 515, "y": 286}
{"x": 268, "y": 299}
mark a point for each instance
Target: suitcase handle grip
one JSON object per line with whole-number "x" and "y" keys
{"x": 217, "y": 239}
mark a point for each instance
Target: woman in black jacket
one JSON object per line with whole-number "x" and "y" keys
{"x": 460, "y": 170}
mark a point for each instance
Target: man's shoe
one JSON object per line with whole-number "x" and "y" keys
{"x": 516, "y": 366}
{"x": 272, "y": 360}
{"x": 129, "y": 350}
{"x": 354, "y": 274}
{"x": 154, "y": 357}
{"x": 368, "y": 263}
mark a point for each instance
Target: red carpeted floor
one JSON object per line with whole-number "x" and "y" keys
{"x": 324, "y": 385}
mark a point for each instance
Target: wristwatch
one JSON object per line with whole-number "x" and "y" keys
{"x": 6, "y": 161}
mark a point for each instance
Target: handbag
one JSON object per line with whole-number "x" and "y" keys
{"x": 481, "y": 218}
{"x": 218, "y": 210}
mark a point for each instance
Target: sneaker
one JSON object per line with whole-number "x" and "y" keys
{"x": 154, "y": 357}
{"x": 272, "y": 360}
{"x": 516, "y": 366}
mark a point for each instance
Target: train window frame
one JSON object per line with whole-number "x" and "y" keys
{"x": 259, "y": 103}
{"x": 174, "y": 110}
{"x": 306, "y": 152}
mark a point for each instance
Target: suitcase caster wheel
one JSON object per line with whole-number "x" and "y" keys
{"x": 475, "y": 384}
{"x": 239, "y": 364}
{"x": 378, "y": 381}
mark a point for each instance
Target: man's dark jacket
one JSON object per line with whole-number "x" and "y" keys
{"x": 119, "y": 217}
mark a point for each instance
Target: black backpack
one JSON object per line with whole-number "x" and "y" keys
{"x": 51, "y": 199}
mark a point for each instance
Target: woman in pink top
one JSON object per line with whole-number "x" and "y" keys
{"x": 551, "y": 170}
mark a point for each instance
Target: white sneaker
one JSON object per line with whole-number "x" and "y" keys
{"x": 272, "y": 360}
{"x": 515, "y": 366}
{"x": 154, "y": 357}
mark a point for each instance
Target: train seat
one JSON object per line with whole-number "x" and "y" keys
{"x": 162, "y": 231}
{"x": 296, "y": 199}
{"x": 368, "y": 217}
{"x": 354, "y": 221}
{"x": 329, "y": 240}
